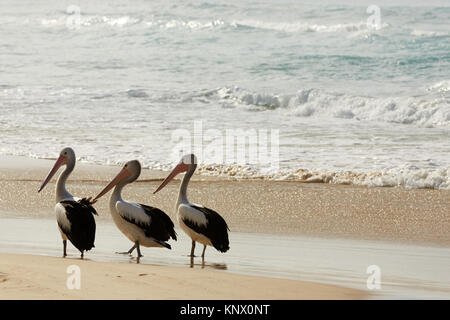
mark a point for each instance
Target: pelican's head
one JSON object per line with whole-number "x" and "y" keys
{"x": 129, "y": 173}
{"x": 189, "y": 159}
{"x": 66, "y": 157}
{"x": 134, "y": 169}
{"x": 187, "y": 162}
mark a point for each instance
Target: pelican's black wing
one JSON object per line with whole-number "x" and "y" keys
{"x": 81, "y": 227}
{"x": 216, "y": 228}
{"x": 161, "y": 226}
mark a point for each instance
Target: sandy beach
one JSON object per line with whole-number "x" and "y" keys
{"x": 276, "y": 209}
{"x": 320, "y": 133}
{"x": 36, "y": 277}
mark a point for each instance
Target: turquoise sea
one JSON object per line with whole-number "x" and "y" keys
{"x": 357, "y": 93}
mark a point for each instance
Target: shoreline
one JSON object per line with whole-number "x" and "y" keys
{"x": 410, "y": 179}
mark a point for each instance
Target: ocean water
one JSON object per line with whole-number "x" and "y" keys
{"x": 351, "y": 98}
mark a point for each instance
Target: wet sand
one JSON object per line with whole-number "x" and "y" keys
{"x": 408, "y": 271}
{"x": 290, "y": 223}
{"x": 278, "y": 207}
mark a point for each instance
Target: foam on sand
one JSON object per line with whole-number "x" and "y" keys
{"x": 414, "y": 178}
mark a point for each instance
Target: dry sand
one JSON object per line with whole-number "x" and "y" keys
{"x": 39, "y": 277}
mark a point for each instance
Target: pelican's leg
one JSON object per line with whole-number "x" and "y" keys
{"x": 82, "y": 254}
{"x": 132, "y": 249}
{"x": 203, "y": 256}
{"x": 129, "y": 251}
{"x": 64, "y": 248}
{"x": 138, "y": 249}
{"x": 193, "y": 248}
{"x": 203, "y": 253}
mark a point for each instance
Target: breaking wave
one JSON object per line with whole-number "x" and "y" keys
{"x": 296, "y": 27}
{"x": 199, "y": 24}
{"x": 427, "y": 111}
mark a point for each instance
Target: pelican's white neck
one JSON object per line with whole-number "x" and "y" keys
{"x": 61, "y": 191}
{"x": 182, "y": 194}
{"x": 117, "y": 193}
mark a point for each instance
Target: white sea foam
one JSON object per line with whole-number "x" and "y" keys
{"x": 428, "y": 33}
{"x": 199, "y": 24}
{"x": 122, "y": 21}
{"x": 399, "y": 177}
{"x": 295, "y": 27}
{"x": 423, "y": 110}
{"x": 189, "y": 24}
{"x": 441, "y": 86}
{"x": 91, "y": 20}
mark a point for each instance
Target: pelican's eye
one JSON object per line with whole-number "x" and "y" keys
{"x": 65, "y": 153}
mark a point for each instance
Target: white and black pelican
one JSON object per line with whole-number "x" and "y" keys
{"x": 201, "y": 224}
{"x": 143, "y": 225}
{"x": 74, "y": 215}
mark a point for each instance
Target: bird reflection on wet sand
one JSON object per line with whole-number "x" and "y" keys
{"x": 218, "y": 266}
{"x": 135, "y": 259}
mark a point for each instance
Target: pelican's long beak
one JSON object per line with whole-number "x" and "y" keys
{"x": 181, "y": 167}
{"x": 123, "y": 174}
{"x": 60, "y": 162}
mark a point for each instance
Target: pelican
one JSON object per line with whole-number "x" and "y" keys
{"x": 201, "y": 224}
{"x": 143, "y": 225}
{"x": 74, "y": 215}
